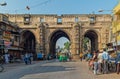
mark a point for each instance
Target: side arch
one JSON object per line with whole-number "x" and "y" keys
{"x": 94, "y": 37}
{"x": 28, "y": 42}
{"x": 23, "y": 31}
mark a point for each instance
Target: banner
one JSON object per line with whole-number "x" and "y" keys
{"x": 7, "y": 44}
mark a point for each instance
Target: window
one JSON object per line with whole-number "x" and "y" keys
{"x": 3, "y": 27}
{"x": 26, "y": 19}
{"x": 92, "y": 20}
{"x": 76, "y": 19}
{"x": 41, "y": 20}
{"x": 5, "y": 18}
{"x": 59, "y": 20}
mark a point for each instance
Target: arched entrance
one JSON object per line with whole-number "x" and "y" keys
{"x": 28, "y": 42}
{"x": 54, "y": 37}
{"x": 93, "y": 40}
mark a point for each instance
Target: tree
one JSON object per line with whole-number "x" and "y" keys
{"x": 85, "y": 41}
{"x": 67, "y": 45}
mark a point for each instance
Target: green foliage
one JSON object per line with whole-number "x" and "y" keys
{"x": 67, "y": 45}
{"x": 61, "y": 49}
{"x": 85, "y": 41}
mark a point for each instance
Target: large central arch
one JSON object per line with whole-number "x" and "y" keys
{"x": 54, "y": 37}
{"x": 92, "y": 35}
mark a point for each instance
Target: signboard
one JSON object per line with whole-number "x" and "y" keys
{"x": 7, "y": 44}
{"x": 7, "y": 35}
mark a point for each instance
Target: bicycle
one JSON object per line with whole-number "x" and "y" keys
{"x": 1, "y": 68}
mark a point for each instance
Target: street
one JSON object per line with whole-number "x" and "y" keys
{"x": 53, "y": 70}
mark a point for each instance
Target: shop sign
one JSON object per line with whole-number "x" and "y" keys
{"x": 7, "y": 35}
{"x": 7, "y": 44}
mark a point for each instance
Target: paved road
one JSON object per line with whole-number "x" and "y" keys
{"x": 55, "y": 70}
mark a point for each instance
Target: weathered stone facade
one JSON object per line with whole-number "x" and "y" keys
{"x": 9, "y": 37}
{"x": 48, "y": 28}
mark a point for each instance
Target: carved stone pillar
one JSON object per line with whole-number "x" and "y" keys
{"x": 76, "y": 42}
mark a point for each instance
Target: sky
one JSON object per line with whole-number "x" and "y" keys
{"x": 60, "y": 42}
{"x": 58, "y": 7}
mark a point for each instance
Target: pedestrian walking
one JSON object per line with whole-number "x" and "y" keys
{"x": 89, "y": 56}
{"x": 7, "y": 56}
{"x": 105, "y": 58}
{"x": 94, "y": 55}
{"x": 29, "y": 58}
{"x": 81, "y": 56}
{"x": 100, "y": 61}
{"x": 26, "y": 58}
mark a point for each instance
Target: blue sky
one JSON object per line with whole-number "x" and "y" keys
{"x": 57, "y": 6}
{"x": 61, "y": 41}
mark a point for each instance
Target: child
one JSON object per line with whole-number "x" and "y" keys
{"x": 90, "y": 63}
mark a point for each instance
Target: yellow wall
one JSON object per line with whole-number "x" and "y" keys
{"x": 118, "y": 38}
{"x": 116, "y": 22}
{"x": 116, "y": 9}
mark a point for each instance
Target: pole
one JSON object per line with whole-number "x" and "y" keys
{"x": 3, "y": 4}
{"x": 116, "y": 37}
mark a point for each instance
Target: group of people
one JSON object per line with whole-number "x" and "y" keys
{"x": 99, "y": 61}
{"x": 6, "y": 58}
{"x": 28, "y": 58}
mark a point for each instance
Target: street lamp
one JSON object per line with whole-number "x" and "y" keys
{"x": 3, "y": 4}
{"x": 101, "y": 10}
